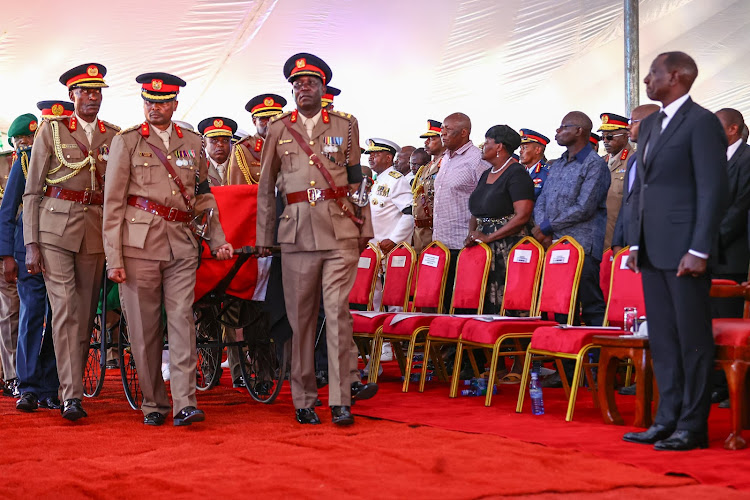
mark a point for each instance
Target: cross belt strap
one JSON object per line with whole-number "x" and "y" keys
{"x": 423, "y": 222}
{"x": 170, "y": 214}
{"x": 323, "y": 170}
{"x": 82, "y": 197}
{"x": 312, "y": 195}
{"x": 86, "y": 152}
{"x": 176, "y": 178}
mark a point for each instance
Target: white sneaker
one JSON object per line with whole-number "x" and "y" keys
{"x": 165, "y": 371}
{"x": 387, "y": 353}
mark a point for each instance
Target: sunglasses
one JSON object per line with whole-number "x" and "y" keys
{"x": 609, "y": 137}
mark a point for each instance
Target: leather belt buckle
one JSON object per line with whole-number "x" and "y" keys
{"x": 87, "y": 197}
{"x": 314, "y": 194}
{"x": 172, "y": 215}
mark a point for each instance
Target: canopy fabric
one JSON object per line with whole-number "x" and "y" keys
{"x": 398, "y": 63}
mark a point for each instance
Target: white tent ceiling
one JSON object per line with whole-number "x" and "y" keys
{"x": 524, "y": 63}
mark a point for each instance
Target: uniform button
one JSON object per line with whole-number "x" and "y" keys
{"x": 67, "y": 156}
{"x": 51, "y": 209}
{"x": 169, "y": 157}
{"x": 169, "y": 175}
{"x": 145, "y": 164}
{"x": 286, "y": 152}
{"x": 312, "y": 162}
{"x": 174, "y": 192}
{"x": 312, "y": 183}
{"x": 85, "y": 209}
{"x": 312, "y": 203}
{"x": 132, "y": 220}
{"x": 312, "y": 143}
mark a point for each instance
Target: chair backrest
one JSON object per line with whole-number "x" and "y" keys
{"x": 432, "y": 275}
{"x": 398, "y": 275}
{"x": 626, "y": 290}
{"x": 522, "y": 273}
{"x": 363, "y": 290}
{"x": 470, "y": 284}
{"x": 605, "y": 272}
{"x": 563, "y": 264}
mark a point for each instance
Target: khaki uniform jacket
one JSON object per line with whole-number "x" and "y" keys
{"x": 303, "y": 227}
{"x": 617, "y": 167}
{"x": 246, "y": 152}
{"x": 424, "y": 189}
{"x": 62, "y": 223}
{"x": 136, "y": 170}
{"x": 6, "y": 162}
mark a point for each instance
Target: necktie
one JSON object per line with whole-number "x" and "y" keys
{"x": 88, "y": 130}
{"x": 654, "y": 139}
{"x": 309, "y": 126}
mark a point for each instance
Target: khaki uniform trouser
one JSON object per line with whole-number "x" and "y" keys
{"x": 9, "y": 307}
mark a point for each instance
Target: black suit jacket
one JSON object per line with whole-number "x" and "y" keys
{"x": 622, "y": 226}
{"x": 734, "y": 254}
{"x": 682, "y": 192}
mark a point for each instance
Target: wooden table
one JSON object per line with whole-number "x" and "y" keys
{"x": 614, "y": 349}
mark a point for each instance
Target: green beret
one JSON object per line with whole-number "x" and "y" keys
{"x": 23, "y": 125}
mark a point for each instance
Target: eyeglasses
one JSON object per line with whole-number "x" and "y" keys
{"x": 633, "y": 122}
{"x": 612, "y": 136}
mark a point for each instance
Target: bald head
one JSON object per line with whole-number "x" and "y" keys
{"x": 456, "y": 131}
{"x": 580, "y": 119}
{"x": 574, "y": 131}
{"x": 636, "y": 116}
{"x": 401, "y": 160}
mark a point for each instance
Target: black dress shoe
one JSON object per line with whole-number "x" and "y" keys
{"x": 362, "y": 391}
{"x": 318, "y": 402}
{"x": 154, "y": 418}
{"x": 28, "y": 402}
{"x": 307, "y": 416}
{"x": 73, "y": 410}
{"x": 552, "y": 382}
{"x": 627, "y": 391}
{"x": 10, "y": 388}
{"x": 651, "y": 435}
{"x": 238, "y": 383}
{"x": 725, "y": 404}
{"x": 112, "y": 364}
{"x": 719, "y": 395}
{"x": 341, "y": 415}
{"x": 683, "y": 441}
{"x": 321, "y": 378}
{"x": 50, "y": 403}
{"x": 188, "y": 415}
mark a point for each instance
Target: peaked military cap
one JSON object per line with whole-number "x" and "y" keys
{"x": 217, "y": 126}
{"x": 433, "y": 129}
{"x": 265, "y": 105}
{"x": 159, "y": 87}
{"x": 327, "y": 98}
{"x": 55, "y": 108}
{"x": 25, "y": 124}
{"x": 184, "y": 125}
{"x": 611, "y": 121}
{"x": 87, "y": 76}
{"x": 374, "y": 145}
{"x": 303, "y": 64}
{"x": 528, "y": 135}
{"x": 594, "y": 140}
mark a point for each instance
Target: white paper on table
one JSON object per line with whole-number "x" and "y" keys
{"x": 364, "y": 262}
{"x": 489, "y": 318}
{"x": 522, "y": 256}
{"x": 565, "y": 327}
{"x": 368, "y": 314}
{"x": 402, "y": 316}
{"x": 559, "y": 257}
{"x": 431, "y": 260}
{"x": 398, "y": 261}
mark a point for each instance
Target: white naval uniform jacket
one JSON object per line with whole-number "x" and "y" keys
{"x": 389, "y": 196}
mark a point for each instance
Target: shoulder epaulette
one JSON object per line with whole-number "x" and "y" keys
{"x": 111, "y": 125}
{"x": 191, "y": 131}
{"x": 280, "y": 116}
{"x": 130, "y": 129}
{"x": 395, "y": 174}
{"x": 624, "y": 154}
{"x": 348, "y": 116}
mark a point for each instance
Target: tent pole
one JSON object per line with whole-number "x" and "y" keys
{"x": 631, "y": 55}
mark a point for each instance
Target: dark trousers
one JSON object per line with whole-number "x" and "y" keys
{"x": 35, "y": 354}
{"x": 682, "y": 345}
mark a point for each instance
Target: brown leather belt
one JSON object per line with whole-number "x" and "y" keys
{"x": 82, "y": 197}
{"x": 167, "y": 213}
{"x": 423, "y": 222}
{"x": 312, "y": 195}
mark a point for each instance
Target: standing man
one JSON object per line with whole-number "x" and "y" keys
{"x": 390, "y": 197}
{"x": 157, "y": 185}
{"x": 313, "y": 155}
{"x": 423, "y": 188}
{"x": 244, "y": 164}
{"x": 62, "y": 223}
{"x": 573, "y": 203}
{"x": 217, "y": 132}
{"x": 614, "y": 131}
{"x": 683, "y": 189}
{"x": 531, "y": 155}
{"x": 734, "y": 255}
{"x": 401, "y": 162}
{"x": 327, "y": 99}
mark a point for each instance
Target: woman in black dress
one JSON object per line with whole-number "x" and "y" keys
{"x": 501, "y": 206}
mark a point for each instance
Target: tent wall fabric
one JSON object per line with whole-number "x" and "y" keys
{"x": 398, "y": 63}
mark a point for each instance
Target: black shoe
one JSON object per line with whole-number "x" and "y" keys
{"x": 28, "y": 402}
{"x": 10, "y": 388}
{"x": 627, "y": 391}
{"x": 50, "y": 403}
{"x": 321, "y": 378}
{"x": 362, "y": 391}
{"x": 341, "y": 415}
{"x": 318, "y": 402}
{"x": 725, "y": 404}
{"x": 154, "y": 418}
{"x": 552, "y": 382}
{"x": 238, "y": 383}
{"x": 73, "y": 410}
{"x": 112, "y": 364}
{"x": 683, "y": 441}
{"x": 719, "y": 395}
{"x": 188, "y": 415}
{"x": 651, "y": 435}
{"x": 307, "y": 416}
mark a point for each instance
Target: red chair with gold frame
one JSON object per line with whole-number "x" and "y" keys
{"x": 399, "y": 271}
{"x": 363, "y": 291}
{"x": 432, "y": 275}
{"x": 575, "y": 343}
{"x": 605, "y": 272}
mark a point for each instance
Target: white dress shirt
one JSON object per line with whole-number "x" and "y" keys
{"x": 309, "y": 123}
{"x": 88, "y": 128}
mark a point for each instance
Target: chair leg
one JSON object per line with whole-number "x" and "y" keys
{"x": 437, "y": 359}
{"x": 456, "y": 370}
{"x": 524, "y": 381}
{"x": 736, "y": 372}
{"x": 425, "y": 361}
{"x": 409, "y": 361}
{"x": 563, "y": 377}
{"x": 473, "y": 361}
{"x": 588, "y": 370}
{"x": 375, "y": 359}
{"x": 493, "y": 374}
{"x": 577, "y": 375}
{"x": 398, "y": 351}
{"x": 628, "y": 374}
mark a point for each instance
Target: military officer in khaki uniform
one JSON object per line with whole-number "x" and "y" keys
{"x": 244, "y": 164}
{"x": 149, "y": 201}
{"x": 615, "y": 136}
{"x": 217, "y": 132}
{"x": 423, "y": 189}
{"x": 62, "y": 222}
{"x": 327, "y": 99}
{"x": 320, "y": 231}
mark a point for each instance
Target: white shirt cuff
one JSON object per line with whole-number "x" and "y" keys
{"x": 703, "y": 256}
{"x": 633, "y": 247}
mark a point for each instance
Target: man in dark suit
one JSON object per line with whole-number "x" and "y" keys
{"x": 734, "y": 254}
{"x": 682, "y": 192}
{"x": 620, "y": 237}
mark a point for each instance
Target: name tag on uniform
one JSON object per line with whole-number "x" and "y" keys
{"x": 522, "y": 256}
{"x": 68, "y": 146}
{"x": 398, "y": 261}
{"x": 364, "y": 262}
{"x": 141, "y": 153}
{"x": 559, "y": 257}
{"x": 430, "y": 260}
{"x": 284, "y": 141}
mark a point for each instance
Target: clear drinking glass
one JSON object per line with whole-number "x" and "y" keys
{"x": 630, "y": 319}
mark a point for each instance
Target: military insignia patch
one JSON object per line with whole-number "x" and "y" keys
{"x": 301, "y": 63}
{"x": 395, "y": 174}
{"x": 102, "y": 128}
{"x": 605, "y": 119}
{"x": 332, "y": 144}
{"x": 32, "y": 125}
{"x": 268, "y": 101}
{"x": 57, "y": 109}
{"x": 218, "y": 123}
{"x": 156, "y": 84}
{"x": 624, "y": 154}
{"x": 92, "y": 70}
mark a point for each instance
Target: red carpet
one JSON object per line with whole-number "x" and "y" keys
{"x": 586, "y": 432}
{"x": 245, "y": 448}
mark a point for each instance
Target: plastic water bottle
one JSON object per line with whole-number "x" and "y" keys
{"x": 469, "y": 392}
{"x": 535, "y": 391}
